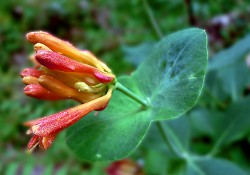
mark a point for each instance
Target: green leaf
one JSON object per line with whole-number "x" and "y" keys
{"x": 178, "y": 134}
{"x": 212, "y": 166}
{"x": 231, "y": 83}
{"x": 152, "y": 165}
{"x": 113, "y": 133}
{"x": 189, "y": 164}
{"x": 136, "y": 54}
{"x": 12, "y": 168}
{"x": 231, "y": 55}
{"x": 226, "y": 66}
{"x": 205, "y": 122}
{"x": 213, "y": 93}
{"x": 172, "y": 77}
{"x": 234, "y": 118}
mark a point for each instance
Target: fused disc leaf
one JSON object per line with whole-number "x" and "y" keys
{"x": 173, "y": 75}
{"x": 111, "y": 134}
{"x": 170, "y": 80}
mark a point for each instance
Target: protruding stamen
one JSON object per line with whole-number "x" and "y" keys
{"x": 30, "y": 150}
{"x": 34, "y": 141}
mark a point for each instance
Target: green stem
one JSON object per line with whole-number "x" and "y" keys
{"x": 220, "y": 140}
{"x": 132, "y": 95}
{"x": 152, "y": 19}
{"x": 157, "y": 30}
{"x": 215, "y": 149}
{"x": 160, "y": 126}
{"x": 216, "y": 99}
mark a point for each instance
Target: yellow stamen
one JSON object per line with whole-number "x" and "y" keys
{"x": 32, "y": 148}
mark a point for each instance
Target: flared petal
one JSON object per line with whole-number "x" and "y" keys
{"x": 43, "y": 142}
{"x": 46, "y": 142}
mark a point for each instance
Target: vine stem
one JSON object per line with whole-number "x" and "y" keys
{"x": 152, "y": 19}
{"x": 132, "y": 95}
{"x": 161, "y": 127}
{"x": 157, "y": 30}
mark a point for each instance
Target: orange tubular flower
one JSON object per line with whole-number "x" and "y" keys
{"x": 63, "y": 72}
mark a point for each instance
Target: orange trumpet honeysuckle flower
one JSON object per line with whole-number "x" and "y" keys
{"x": 63, "y": 72}
{"x": 46, "y": 128}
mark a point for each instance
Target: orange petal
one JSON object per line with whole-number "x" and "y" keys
{"x": 58, "y": 62}
{"x": 37, "y": 91}
{"x": 89, "y": 54}
{"x": 60, "y": 46}
{"x": 56, "y": 122}
{"x": 69, "y": 78}
{"x": 39, "y": 46}
{"x": 31, "y": 72}
{"x": 47, "y": 141}
{"x": 64, "y": 91}
{"x": 30, "y": 80}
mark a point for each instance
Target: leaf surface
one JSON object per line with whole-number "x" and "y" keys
{"x": 172, "y": 77}
{"x": 170, "y": 80}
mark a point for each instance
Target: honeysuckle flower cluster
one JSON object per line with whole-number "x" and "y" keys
{"x": 63, "y": 72}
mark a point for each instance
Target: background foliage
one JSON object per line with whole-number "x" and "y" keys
{"x": 216, "y": 132}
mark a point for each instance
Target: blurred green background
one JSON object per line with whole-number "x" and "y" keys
{"x": 122, "y": 33}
